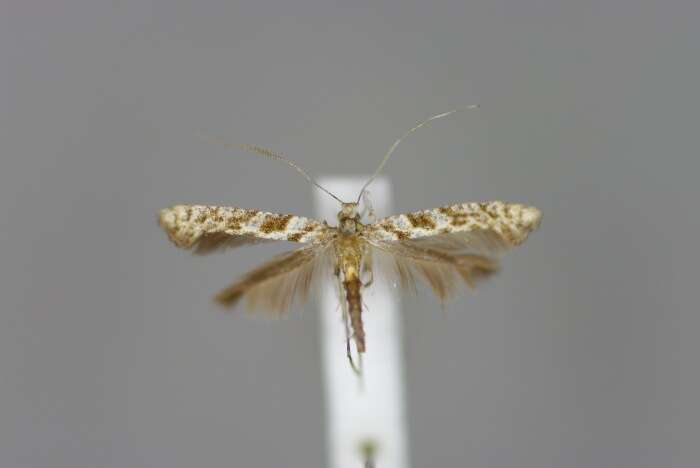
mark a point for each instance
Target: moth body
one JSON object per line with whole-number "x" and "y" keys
{"x": 350, "y": 252}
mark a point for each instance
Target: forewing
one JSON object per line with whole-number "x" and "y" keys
{"x": 275, "y": 285}
{"x": 489, "y": 225}
{"x": 206, "y": 229}
{"x": 450, "y": 246}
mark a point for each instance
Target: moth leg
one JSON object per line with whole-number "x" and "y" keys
{"x": 367, "y": 208}
{"x": 367, "y": 268}
{"x": 348, "y": 348}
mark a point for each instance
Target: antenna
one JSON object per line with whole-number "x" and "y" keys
{"x": 396, "y": 143}
{"x": 269, "y": 154}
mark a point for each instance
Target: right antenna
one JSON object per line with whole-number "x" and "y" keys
{"x": 396, "y": 143}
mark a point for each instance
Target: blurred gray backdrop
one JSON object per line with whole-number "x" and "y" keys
{"x": 582, "y": 353}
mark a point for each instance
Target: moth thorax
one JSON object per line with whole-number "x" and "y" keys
{"x": 348, "y": 218}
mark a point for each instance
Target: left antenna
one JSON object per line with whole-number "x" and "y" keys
{"x": 268, "y": 154}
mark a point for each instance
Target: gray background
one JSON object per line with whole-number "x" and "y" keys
{"x": 584, "y": 351}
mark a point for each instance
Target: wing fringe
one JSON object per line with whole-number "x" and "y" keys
{"x": 216, "y": 242}
{"x": 445, "y": 277}
{"x": 278, "y": 283}
{"x": 414, "y": 261}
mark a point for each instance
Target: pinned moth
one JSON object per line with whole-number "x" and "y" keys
{"x": 442, "y": 247}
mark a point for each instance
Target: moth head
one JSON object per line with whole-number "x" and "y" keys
{"x": 348, "y": 210}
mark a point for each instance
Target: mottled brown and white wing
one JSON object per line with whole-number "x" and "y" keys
{"x": 287, "y": 278}
{"x": 206, "y": 229}
{"x": 510, "y": 223}
{"x": 452, "y": 245}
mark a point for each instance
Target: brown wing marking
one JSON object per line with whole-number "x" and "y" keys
{"x": 275, "y": 285}
{"x": 206, "y": 229}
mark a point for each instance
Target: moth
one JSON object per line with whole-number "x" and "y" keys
{"x": 444, "y": 247}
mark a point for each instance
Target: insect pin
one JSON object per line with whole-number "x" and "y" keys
{"x": 443, "y": 247}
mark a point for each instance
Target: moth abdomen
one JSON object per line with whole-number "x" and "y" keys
{"x": 352, "y": 287}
